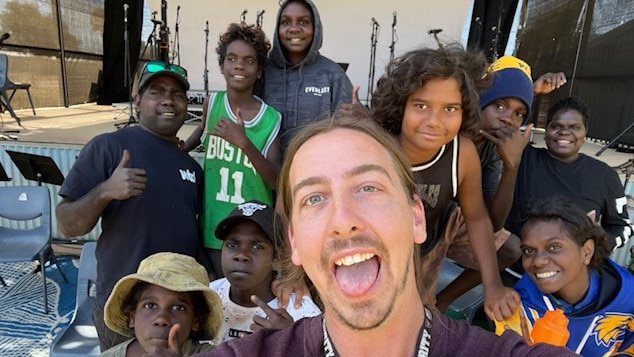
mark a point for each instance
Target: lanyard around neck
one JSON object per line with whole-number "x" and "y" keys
{"x": 423, "y": 341}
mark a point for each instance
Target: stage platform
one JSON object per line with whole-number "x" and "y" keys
{"x": 77, "y": 124}
{"x": 74, "y": 125}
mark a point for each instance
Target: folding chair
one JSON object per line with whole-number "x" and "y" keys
{"x": 80, "y": 337}
{"x": 22, "y": 206}
{"x": 6, "y": 84}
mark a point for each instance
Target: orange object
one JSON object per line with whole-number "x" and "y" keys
{"x": 552, "y": 328}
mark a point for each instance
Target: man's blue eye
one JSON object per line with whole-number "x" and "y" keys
{"x": 314, "y": 199}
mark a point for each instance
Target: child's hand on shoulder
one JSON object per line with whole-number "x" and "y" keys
{"x": 283, "y": 288}
{"x": 500, "y": 302}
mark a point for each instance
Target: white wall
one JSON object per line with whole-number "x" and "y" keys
{"x": 347, "y": 30}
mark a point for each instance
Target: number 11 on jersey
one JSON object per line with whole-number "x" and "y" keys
{"x": 237, "y": 178}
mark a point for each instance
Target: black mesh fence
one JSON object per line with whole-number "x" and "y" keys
{"x": 592, "y": 42}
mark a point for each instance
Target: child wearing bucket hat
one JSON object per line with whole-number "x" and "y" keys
{"x": 168, "y": 290}
{"x": 249, "y": 263}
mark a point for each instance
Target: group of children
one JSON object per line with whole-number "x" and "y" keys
{"x": 427, "y": 99}
{"x": 456, "y": 118}
{"x": 170, "y": 300}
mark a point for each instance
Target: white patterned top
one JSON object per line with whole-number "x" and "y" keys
{"x": 237, "y": 318}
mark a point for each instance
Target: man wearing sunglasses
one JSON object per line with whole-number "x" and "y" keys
{"x": 146, "y": 190}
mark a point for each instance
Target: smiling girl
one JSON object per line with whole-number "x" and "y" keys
{"x": 565, "y": 257}
{"x": 298, "y": 81}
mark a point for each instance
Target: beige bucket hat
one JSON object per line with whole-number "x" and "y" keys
{"x": 172, "y": 271}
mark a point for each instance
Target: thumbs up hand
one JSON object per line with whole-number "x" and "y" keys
{"x": 232, "y": 131}
{"x": 354, "y": 108}
{"x": 125, "y": 182}
{"x": 355, "y": 95}
{"x": 173, "y": 348}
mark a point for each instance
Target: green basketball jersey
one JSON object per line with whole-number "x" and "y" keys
{"x": 230, "y": 178}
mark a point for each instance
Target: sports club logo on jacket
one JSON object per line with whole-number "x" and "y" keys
{"x": 610, "y": 327}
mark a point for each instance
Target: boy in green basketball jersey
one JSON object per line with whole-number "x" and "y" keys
{"x": 239, "y": 133}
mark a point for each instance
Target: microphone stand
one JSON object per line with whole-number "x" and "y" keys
{"x": 164, "y": 35}
{"x": 611, "y": 142}
{"x": 127, "y": 80}
{"x": 152, "y": 40}
{"x": 435, "y": 32}
{"x": 373, "y": 40}
{"x": 394, "y": 37}
{"x": 206, "y": 71}
{"x": 243, "y": 17}
{"x": 177, "y": 43}
{"x": 498, "y": 33}
{"x": 258, "y": 18}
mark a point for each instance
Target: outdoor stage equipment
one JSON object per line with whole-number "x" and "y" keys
{"x": 164, "y": 34}
{"x": 435, "y": 33}
{"x": 394, "y": 37}
{"x": 617, "y": 137}
{"x": 37, "y": 167}
{"x": 152, "y": 41}
{"x": 258, "y": 18}
{"x": 206, "y": 71}
{"x": 373, "y": 39}
{"x": 127, "y": 75}
{"x": 177, "y": 44}
{"x": 498, "y": 32}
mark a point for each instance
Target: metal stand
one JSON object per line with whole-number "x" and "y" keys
{"x": 9, "y": 132}
{"x": 127, "y": 77}
{"x": 259, "y": 15}
{"x": 373, "y": 39}
{"x": 152, "y": 41}
{"x": 435, "y": 33}
{"x": 164, "y": 34}
{"x": 177, "y": 42}
{"x": 206, "y": 71}
{"x": 394, "y": 37}
{"x": 617, "y": 137}
{"x": 37, "y": 168}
